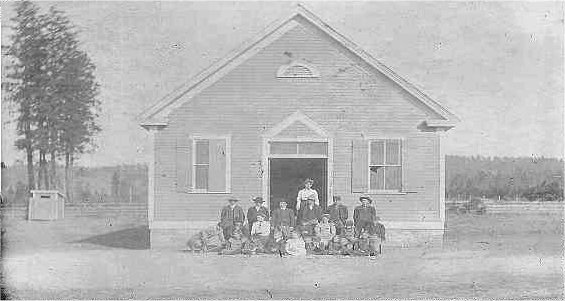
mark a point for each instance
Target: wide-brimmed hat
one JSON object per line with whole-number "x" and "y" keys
{"x": 365, "y": 198}
{"x": 258, "y": 200}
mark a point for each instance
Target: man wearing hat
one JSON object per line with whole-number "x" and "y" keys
{"x": 338, "y": 214}
{"x": 306, "y": 193}
{"x": 254, "y": 211}
{"x": 229, "y": 216}
{"x": 364, "y": 216}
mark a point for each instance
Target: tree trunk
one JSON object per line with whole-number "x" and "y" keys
{"x": 44, "y": 176}
{"x": 30, "y": 174}
{"x": 53, "y": 170}
{"x": 68, "y": 184}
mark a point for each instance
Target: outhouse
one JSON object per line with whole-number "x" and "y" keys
{"x": 46, "y": 205}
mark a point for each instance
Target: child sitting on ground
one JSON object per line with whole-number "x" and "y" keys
{"x": 347, "y": 239}
{"x": 260, "y": 233}
{"x": 207, "y": 240}
{"x": 377, "y": 237}
{"x": 295, "y": 245}
{"x": 235, "y": 243}
{"x": 325, "y": 232}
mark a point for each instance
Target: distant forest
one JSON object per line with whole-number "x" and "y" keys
{"x": 531, "y": 179}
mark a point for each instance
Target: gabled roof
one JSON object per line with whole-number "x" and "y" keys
{"x": 296, "y": 117}
{"x": 156, "y": 115}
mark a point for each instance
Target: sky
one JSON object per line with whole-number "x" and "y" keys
{"x": 496, "y": 65}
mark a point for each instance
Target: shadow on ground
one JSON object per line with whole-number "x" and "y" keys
{"x": 133, "y": 238}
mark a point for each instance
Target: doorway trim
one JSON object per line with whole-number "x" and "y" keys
{"x": 270, "y": 136}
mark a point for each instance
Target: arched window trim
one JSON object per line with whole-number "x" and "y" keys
{"x": 282, "y": 72}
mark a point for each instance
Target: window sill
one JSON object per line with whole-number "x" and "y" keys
{"x": 387, "y": 192}
{"x": 207, "y": 192}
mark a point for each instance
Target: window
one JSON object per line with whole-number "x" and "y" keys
{"x": 385, "y": 166}
{"x": 211, "y": 165}
{"x": 297, "y": 70}
{"x": 299, "y": 148}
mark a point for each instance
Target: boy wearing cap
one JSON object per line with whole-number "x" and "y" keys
{"x": 325, "y": 232}
{"x": 364, "y": 216}
{"x": 306, "y": 193}
{"x": 338, "y": 214}
{"x": 229, "y": 216}
{"x": 254, "y": 211}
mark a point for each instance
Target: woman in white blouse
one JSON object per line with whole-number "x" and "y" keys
{"x": 307, "y": 192}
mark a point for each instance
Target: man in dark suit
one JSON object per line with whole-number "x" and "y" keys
{"x": 229, "y": 216}
{"x": 338, "y": 214}
{"x": 254, "y": 211}
{"x": 364, "y": 216}
{"x": 309, "y": 216}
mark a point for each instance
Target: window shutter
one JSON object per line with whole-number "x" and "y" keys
{"x": 183, "y": 163}
{"x": 217, "y": 170}
{"x": 359, "y": 166}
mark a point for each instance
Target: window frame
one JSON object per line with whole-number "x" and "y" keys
{"x": 196, "y": 138}
{"x": 401, "y": 154}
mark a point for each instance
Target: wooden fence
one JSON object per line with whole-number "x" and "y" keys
{"x": 524, "y": 207}
{"x": 85, "y": 210}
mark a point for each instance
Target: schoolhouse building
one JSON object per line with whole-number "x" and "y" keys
{"x": 299, "y": 101}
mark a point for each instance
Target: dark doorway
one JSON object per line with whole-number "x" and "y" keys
{"x": 287, "y": 178}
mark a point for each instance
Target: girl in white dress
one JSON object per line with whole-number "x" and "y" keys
{"x": 307, "y": 192}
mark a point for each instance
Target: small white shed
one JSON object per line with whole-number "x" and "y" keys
{"x": 46, "y": 205}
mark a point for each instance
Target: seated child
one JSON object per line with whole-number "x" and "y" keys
{"x": 210, "y": 239}
{"x": 260, "y": 233}
{"x": 363, "y": 247}
{"x": 295, "y": 245}
{"x": 347, "y": 239}
{"x": 325, "y": 232}
{"x": 377, "y": 237}
{"x": 235, "y": 243}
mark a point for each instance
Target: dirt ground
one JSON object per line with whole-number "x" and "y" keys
{"x": 506, "y": 256}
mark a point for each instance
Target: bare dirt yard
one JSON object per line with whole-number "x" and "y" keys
{"x": 517, "y": 256}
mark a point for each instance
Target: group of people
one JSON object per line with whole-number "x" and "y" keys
{"x": 310, "y": 231}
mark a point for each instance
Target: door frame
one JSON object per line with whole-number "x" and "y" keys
{"x": 265, "y": 163}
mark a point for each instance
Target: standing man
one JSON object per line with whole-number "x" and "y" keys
{"x": 309, "y": 216}
{"x": 283, "y": 220}
{"x": 364, "y": 216}
{"x": 338, "y": 214}
{"x": 254, "y": 211}
{"x": 229, "y": 216}
{"x": 305, "y": 193}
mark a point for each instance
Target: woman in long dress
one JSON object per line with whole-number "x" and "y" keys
{"x": 306, "y": 193}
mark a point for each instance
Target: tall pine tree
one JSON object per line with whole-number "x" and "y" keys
{"x": 64, "y": 107}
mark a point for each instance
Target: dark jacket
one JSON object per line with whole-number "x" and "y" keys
{"x": 364, "y": 214}
{"x": 338, "y": 214}
{"x": 229, "y": 216}
{"x": 306, "y": 214}
{"x": 252, "y": 213}
{"x": 283, "y": 217}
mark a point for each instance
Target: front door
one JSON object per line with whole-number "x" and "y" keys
{"x": 287, "y": 177}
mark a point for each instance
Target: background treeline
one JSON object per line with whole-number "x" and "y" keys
{"x": 526, "y": 179}
{"x": 539, "y": 179}
{"x": 115, "y": 184}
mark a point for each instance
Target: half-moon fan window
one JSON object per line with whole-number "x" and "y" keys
{"x": 297, "y": 70}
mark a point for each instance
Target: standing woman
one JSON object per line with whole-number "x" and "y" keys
{"x": 306, "y": 193}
